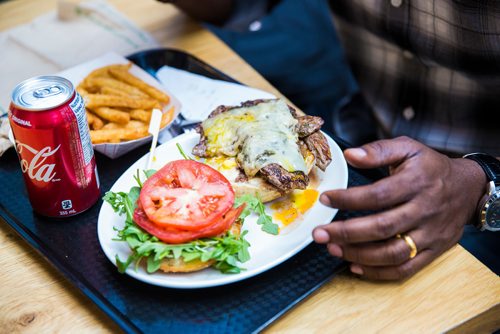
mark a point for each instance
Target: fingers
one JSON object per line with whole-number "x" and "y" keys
{"x": 379, "y": 226}
{"x": 397, "y": 272}
{"x": 382, "y": 194}
{"x": 388, "y": 253}
{"x": 381, "y": 153}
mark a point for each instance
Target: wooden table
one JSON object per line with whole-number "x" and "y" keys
{"x": 456, "y": 293}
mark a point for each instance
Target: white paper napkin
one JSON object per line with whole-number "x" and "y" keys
{"x": 200, "y": 95}
{"x": 95, "y": 27}
{"x": 5, "y": 143}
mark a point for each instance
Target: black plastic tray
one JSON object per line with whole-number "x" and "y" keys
{"x": 71, "y": 245}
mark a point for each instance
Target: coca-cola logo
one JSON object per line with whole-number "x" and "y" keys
{"x": 36, "y": 168}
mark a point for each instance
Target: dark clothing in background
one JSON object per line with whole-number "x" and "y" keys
{"x": 296, "y": 48}
{"x": 430, "y": 69}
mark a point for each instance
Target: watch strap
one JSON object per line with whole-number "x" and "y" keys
{"x": 489, "y": 164}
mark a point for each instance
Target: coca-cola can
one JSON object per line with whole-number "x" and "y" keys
{"x": 52, "y": 140}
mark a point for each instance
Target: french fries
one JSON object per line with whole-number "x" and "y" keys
{"x": 100, "y": 100}
{"x": 119, "y": 105}
{"x": 116, "y": 85}
{"x": 167, "y": 117}
{"x": 123, "y": 74}
{"x": 141, "y": 115}
{"x": 94, "y": 122}
{"x": 113, "y": 91}
{"x": 112, "y": 115}
{"x": 115, "y": 133}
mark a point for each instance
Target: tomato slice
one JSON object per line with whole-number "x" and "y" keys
{"x": 177, "y": 236}
{"x": 187, "y": 195}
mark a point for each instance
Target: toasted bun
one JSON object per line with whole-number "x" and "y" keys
{"x": 179, "y": 266}
{"x": 255, "y": 186}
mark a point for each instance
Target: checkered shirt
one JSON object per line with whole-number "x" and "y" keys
{"x": 429, "y": 68}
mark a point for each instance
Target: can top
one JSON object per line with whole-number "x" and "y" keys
{"x": 42, "y": 93}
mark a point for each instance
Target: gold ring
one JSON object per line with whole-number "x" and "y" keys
{"x": 409, "y": 241}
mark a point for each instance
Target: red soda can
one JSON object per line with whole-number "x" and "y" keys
{"x": 52, "y": 140}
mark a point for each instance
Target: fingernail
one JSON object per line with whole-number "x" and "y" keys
{"x": 321, "y": 236}
{"x": 325, "y": 200}
{"x": 356, "y": 152}
{"x": 335, "y": 250}
{"x": 356, "y": 269}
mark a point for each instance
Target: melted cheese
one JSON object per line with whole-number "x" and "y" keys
{"x": 257, "y": 136}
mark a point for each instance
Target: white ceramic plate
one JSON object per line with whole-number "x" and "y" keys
{"x": 266, "y": 250}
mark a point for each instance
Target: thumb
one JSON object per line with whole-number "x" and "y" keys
{"x": 381, "y": 153}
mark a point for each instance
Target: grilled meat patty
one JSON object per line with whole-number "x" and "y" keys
{"x": 308, "y": 125}
{"x": 318, "y": 144}
{"x": 270, "y": 163}
{"x": 283, "y": 179}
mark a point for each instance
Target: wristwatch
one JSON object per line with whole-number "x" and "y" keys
{"x": 489, "y": 208}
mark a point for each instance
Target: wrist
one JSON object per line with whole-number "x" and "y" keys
{"x": 475, "y": 184}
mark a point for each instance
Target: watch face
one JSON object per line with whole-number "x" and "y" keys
{"x": 493, "y": 212}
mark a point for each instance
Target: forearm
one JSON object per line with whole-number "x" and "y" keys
{"x": 212, "y": 11}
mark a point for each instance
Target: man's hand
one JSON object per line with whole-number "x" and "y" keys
{"x": 427, "y": 196}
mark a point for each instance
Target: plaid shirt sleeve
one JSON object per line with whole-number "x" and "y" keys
{"x": 430, "y": 69}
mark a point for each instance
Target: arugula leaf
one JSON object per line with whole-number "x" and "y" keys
{"x": 187, "y": 257}
{"x": 255, "y": 205}
{"x": 116, "y": 201}
{"x": 267, "y": 224}
{"x": 181, "y": 151}
{"x": 153, "y": 264}
{"x": 177, "y": 252}
{"x": 137, "y": 178}
{"x": 149, "y": 173}
{"x": 133, "y": 195}
{"x": 121, "y": 203}
{"x": 122, "y": 266}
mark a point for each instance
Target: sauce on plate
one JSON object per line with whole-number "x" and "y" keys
{"x": 293, "y": 206}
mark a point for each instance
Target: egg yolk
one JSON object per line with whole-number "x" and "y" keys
{"x": 222, "y": 162}
{"x": 294, "y": 205}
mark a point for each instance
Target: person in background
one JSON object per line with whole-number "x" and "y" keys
{"x": 430, "y": 72}
{"x": 292, "y": 43}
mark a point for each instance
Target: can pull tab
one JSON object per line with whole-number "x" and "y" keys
{"x": 47, "y": 91}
